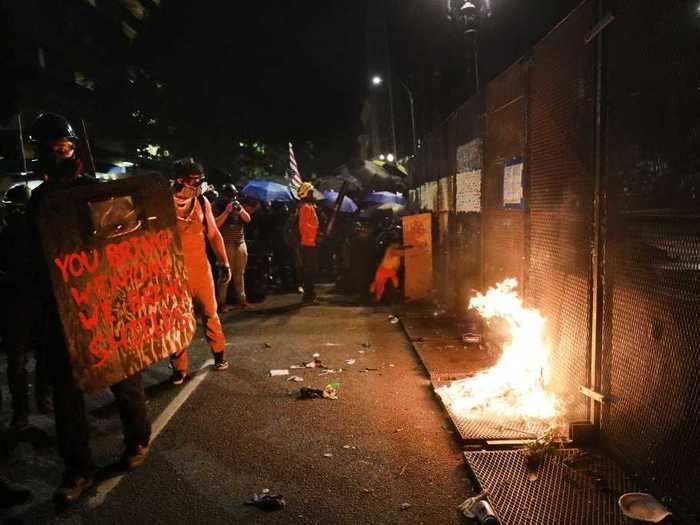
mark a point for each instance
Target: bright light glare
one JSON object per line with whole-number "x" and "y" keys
{"x": 390, "y": 158}
{"x": 376, "y": 80}
{"x": 382, "y": 157}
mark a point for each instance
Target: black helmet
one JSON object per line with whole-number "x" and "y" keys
{"x": 229, "y": 190}
{"x": 184, "y": 167}
{"x": 49, "y": 126}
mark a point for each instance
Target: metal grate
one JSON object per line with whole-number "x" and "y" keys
{"x": 479, "y": 430}
{"x": 573, "y": 487}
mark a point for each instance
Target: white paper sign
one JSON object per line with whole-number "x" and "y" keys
{"x": 469, "y": 191}
{"x": 513, "y": 185}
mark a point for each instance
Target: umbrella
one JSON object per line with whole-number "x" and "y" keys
{"x": 335, "y": 182}
{"x": 376, "y": 177}
{"x": 267, "y": 191}
{"x": 383, "y": 197}
{"x": 386, "y": 209}
{"x": 347, "y": 206}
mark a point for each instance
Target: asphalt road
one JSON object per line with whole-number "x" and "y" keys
{"x": 224, "y": 436}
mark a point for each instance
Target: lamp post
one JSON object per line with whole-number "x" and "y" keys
{"x": 378, "y": 81}
{"x": 469, "y": 15}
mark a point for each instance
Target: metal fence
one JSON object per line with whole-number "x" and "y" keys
{"x": 599, "y": 126}
{"x": 651, "y": 321}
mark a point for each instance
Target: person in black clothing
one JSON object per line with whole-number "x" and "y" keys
{"x": 62, "y": 168}
{"x": 13, "y": 260}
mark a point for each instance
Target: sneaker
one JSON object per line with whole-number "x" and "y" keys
{"x": 135, "y": 458}
{"x": 71, "y": 490}
{"x": 178, "y": 377}
{"x": 219, "y": 362}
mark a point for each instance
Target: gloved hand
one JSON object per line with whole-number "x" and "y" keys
{"x": 224, "y": 274}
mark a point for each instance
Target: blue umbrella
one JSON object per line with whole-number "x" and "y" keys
{"x": 384, "y": 197}
{"x": 329, "y": 198}
{"x": 267, "y": 191}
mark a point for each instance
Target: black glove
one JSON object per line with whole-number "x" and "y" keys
{"x": 224, "y": 274}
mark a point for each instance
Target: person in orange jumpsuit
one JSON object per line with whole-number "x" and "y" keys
{"x": 388, "y": 268}
{"x": 197, "y": 226}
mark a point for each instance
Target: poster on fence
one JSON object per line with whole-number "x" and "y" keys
{"x": 118, "y": 276}
{"x": 468, "y": 191}
{"x": 418, "y": 274}
{"x": 513, "y": 184}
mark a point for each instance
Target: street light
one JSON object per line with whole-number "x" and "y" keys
{"x": 377, "y": 81}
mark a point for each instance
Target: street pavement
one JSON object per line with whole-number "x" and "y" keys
{"x": 384, "y": 452}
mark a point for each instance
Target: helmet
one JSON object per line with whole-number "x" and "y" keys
{"x": 229, "y": 190}
{"x": 305, "y": 190}
{"x": 184, "y": 167}
{"x": 49, "y": 126}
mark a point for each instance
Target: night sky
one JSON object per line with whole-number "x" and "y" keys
{"x": 276, "y": 70}
{"x": 296, "y": 70}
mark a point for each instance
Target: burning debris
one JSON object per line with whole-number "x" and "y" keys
{"x": 514, "y": 388}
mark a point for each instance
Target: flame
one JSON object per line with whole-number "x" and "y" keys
{"x": 514, "y": 388}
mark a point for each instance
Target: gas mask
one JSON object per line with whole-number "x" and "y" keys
{"x": 60, "y": 165}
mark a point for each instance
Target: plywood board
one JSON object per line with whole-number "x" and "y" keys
{"x": 417, "y": 233}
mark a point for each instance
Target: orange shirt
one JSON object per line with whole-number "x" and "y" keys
{"x": 308, "y": 224}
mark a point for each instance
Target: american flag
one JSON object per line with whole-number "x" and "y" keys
{"x": 296, "y": 176}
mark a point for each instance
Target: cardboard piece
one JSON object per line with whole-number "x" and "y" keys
{"x": 118, "y": 276}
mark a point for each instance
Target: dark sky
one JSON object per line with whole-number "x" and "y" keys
{"x": 296, "y": 70}
{"x": 277, "y": 69}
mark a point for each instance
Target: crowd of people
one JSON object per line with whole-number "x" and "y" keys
{"x": 215, "y": 251}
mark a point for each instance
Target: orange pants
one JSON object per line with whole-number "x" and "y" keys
{"x": 380, "y": 278}
{"x": 201, "y": 285}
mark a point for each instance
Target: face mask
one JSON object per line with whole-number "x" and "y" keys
{"x": 62, "y": 169}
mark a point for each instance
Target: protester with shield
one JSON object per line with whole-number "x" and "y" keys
{"x": 63, "y": 171}
{"x": 197, "y": 228}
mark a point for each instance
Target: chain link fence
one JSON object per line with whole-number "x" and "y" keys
{"x": 513, "y": 177}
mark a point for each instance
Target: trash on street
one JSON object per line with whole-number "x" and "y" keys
{"x": 393, "y": 319}
{"x": 279, "y": 372}
{"x": 329, "y": 392}
{"x": 268, "y": 502}
{"x": 350, "y": 361}
{"x": 405, "y": 506}
{"x": 296, "y": 379}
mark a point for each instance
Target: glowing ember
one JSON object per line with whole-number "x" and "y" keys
{"x": 515, "y": 387}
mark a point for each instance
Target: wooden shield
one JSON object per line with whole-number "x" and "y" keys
{"x": 417, "y": 233}
{"x": 118, "y": 276}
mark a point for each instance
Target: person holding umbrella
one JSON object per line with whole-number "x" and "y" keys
{"x": 308, "y": 231}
